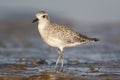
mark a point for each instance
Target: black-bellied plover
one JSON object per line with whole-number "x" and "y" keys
{"x": 59, "y": 36}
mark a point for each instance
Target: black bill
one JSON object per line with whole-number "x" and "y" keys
{"x": 35, "y": 20}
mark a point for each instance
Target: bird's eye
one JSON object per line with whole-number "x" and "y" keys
{"x": 44, "y": 16}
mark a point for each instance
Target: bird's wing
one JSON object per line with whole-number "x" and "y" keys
{"x": 66, "y": 34}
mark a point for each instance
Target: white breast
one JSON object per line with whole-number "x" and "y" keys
{"x": 41, "y": 27}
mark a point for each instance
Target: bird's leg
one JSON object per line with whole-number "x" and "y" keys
{"x": 62, "y": 65}
{"x": 58, "y": 58}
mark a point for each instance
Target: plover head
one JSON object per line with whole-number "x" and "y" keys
{"x": 41, "y": 16}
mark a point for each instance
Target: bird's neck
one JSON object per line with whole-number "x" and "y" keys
{"x": 43, "y": 25}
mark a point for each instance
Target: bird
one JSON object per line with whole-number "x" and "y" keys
{"x": 59, "y": 36}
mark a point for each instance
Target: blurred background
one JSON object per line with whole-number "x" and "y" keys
{"x": 78, "y": 10}
{"x": 95, "y": 18}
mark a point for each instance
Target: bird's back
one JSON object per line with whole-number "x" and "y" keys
{"x": 67, "y": 35}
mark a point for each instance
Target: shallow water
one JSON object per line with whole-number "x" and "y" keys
{"x": 23, "y": 54}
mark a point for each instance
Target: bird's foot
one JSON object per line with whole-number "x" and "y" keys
{"x": 61, "y": 69}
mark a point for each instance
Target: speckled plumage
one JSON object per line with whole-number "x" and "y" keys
{"x": 65, "y": 34}
{"x": 59, "y": 36}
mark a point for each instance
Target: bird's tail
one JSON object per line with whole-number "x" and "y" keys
{"x": 94, "y": 39}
